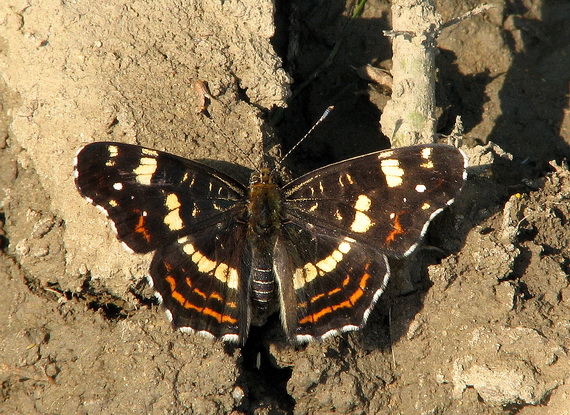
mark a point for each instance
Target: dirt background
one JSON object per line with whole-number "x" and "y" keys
{"x": 481, "y": 325}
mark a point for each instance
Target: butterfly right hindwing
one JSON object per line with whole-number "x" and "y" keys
{"x": 334, "y": 282}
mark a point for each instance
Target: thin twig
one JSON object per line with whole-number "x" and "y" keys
{"x": 477, "y": 10}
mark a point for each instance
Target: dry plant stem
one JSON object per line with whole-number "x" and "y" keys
{"x": 409, "y": 117}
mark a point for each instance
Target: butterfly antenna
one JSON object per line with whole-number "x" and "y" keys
{"x": 279, "y": 162}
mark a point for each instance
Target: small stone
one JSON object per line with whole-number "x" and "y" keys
{"x": 52, "y": 370}
{"x": 23, "y": 247}
{"x": 41, "y": 252}
{"x": 238, "y": 393}
{"x": 43, "y": 227}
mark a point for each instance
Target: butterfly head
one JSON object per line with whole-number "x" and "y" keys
{"x": 262, "y": 177}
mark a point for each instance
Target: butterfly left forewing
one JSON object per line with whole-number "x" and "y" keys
{"x": 384, "y": 199}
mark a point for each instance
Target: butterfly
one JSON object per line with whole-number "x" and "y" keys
{"x": 227, "y": 255}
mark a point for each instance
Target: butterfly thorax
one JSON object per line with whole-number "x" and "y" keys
{"x": 264, "y": 222}
{"x": 264, "y": 207}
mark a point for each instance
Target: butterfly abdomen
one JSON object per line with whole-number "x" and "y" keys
{"x": 264, "y": 211}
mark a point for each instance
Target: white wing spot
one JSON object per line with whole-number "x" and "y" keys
{"x": 327, "y": 264}
{"x": 113, "y": 203}
{"x": 232, "y": 278}
{"x": 206, "y": 265}
{"x": 362, "y": 223}
{"x": 420, "y": 188}
{"x": 114, "y": 228}
{"x": 187, "y": 248}
{"x": 145, "y": 170}
{"x": 301, "y": 276}
{"x": 100, "y": 208}
{"x": 118, "y": 186}
{"x": 310, "y": 271}
{"x": 113, "y": 151}
{"x": 338, "y": 215}
{"x": 426, "y": 206}
{"x": 363, "y": 203}
{"x": 337, "y": 256}
{"x": 127, "y": 248}
{"x": 196, "y": 256}
{"x": 221, "y": 272}
{"x": 168, "y": 314}
{"x": 344, "y": 247}
{"x": 393, "y": 172}
{"x": 426, "y": 153}
{"x": 173, "y": 219}
{"x": 149, "y": 152}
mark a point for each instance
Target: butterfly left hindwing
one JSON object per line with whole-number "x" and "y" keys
{"x": 200, "y": 281}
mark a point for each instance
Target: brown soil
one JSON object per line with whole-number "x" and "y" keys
{"x": 480, "y": 326}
